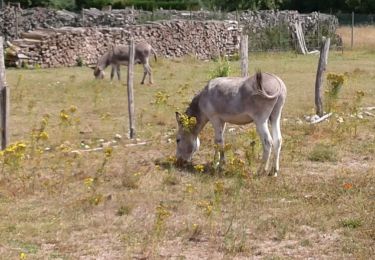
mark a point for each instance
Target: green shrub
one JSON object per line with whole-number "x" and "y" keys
{"x": 335, "y": 83}
{"x": 222, "y": 69}
{"x": 323, "y": 153}
{"x": 79, "y": 62}
{"x": 351, "y": 223}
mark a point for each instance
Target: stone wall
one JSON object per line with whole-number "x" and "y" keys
{"x": 314, "y": 25}
{"x": 41, "y": 36}
{"x": 68, "y": 46}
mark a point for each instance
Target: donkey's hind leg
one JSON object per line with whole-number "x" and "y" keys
{"x": 277, "y": 141}
{"x": 265, "y": 136}
{"x": 147, "y": 70}
{"x": 144, "y": 73}
{"x": 219, "y": 127}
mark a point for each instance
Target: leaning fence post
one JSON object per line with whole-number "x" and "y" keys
{"x": 323, "y": 59}
{"x": 130, "y": 89}
{"x": 4, "y": 101}
{"x": 244, "y": 52}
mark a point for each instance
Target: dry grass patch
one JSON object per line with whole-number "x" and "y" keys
{"x": 126, "y": 202}
{"x": 364, "y": 37}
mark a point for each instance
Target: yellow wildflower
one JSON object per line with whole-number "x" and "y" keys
{"x": 188, "y": 122}
{"x": 64, "y": 116}
{"x": 23, "y": 256}
{"x": 73, "y": 109}
{"x": 199, "y": 168}
{"x": 190, "y": 188}
{"x": 43, "y": 135}
{"x": 88, "y": 182}
{"x": 162, "y": 212}
{"x": 219, "y": 187}
{"x": 336, "y": 79}
{"x": 108, "y": 151}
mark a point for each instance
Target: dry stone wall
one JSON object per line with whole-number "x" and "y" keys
{"x": 257, "y": 21}
{"x": 180, "y": 33}
{"x": 69, "y": 46}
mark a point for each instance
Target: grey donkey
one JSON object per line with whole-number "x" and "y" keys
{"x": 239, "y": 101}
{"x": 119, "y": 55}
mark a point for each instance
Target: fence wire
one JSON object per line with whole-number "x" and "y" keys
{"x": 359, "y": 19}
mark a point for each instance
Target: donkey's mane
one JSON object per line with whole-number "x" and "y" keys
{"x": 193, "y": 109}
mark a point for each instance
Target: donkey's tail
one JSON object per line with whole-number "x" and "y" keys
{"x": 259, "y": 88}
{"x": 154, "y": 52}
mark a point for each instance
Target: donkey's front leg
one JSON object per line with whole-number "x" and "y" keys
{"x": 112, "y": 71}
{"x": 118, "y": 71}
{"x": 219, "y": 126}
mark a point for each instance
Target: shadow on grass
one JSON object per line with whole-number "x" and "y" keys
{"x": 224, "y": 171}
{"x": 171, "y": 163}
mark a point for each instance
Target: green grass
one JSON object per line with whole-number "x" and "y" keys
{"x": 132, "y": 201}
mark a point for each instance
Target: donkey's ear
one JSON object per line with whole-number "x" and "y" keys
{"x": 178, "y": 117}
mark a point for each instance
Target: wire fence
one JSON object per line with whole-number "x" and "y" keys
{"x": 357, "y": 19}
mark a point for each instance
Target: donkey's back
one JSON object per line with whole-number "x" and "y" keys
{"x": 142, "y": 52}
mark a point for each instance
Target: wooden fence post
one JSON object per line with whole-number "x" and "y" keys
{"x": 323, "y": 59}
{"x": 244, "y": 52}
{"x": 130, "y": 88}
{"x": 4, "y": 101}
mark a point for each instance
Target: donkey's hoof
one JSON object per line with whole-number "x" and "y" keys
{"x": 273, "y": 174}
{"x": 217, "y": 166}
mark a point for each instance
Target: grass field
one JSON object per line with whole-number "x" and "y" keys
{"x": 131, "y": 202}
{"x": 363, "y": 37}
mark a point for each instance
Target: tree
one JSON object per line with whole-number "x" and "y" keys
{"x": 58, "y": 4}
{"x": 231, "y": 5}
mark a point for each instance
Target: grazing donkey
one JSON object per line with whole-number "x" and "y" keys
{"x": 235, "y": 100}
{"x": 119, "y": 55}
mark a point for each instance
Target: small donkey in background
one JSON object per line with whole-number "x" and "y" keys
{"x": 119, "y": 55}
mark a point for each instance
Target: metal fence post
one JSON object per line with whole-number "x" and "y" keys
{"x": 352, "y": 36}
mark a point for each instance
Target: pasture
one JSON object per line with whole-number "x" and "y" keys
{"x": 131, "y": 202}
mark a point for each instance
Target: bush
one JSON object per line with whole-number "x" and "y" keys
{"x": 351, "y": 223}
{"x": 335, "y": 83}
{"x": 323, "y": 153}
{"x": 222, "y": 69}
{"x": 151, "y": 5}
{"x": 79, "y": 62}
